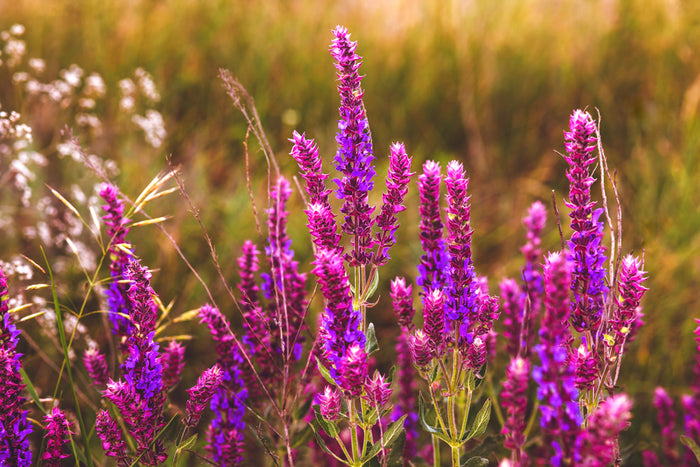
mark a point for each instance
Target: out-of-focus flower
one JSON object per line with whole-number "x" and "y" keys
{"x": 96, "y": 366}
{"x": 57, "y": 436}
{"x": 514, "y": 402}
{"x": 433, "y": 263}
{"x": 201, "y": 394}
{"x": 173, "y": 362}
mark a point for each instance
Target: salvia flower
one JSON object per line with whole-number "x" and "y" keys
{"x": 340, "y": 322}
{"x": 173, "y": 362}
{"x": 329, "y": 401}
{"x": 597, "y": 445}
{"x": 433, "y": 262}
{"x": 305, "y": 152}
{"x": 532, "y": 275}
{"x": 15, "y": 429}
{"x": 322, "y": 226}
{"x": 406, "y": 396}
{"x": 396, "y": 188}
{"x": 587, "y": 250}
{"x": 354, "y": 156}
{"x": 57, "y": 436}
{"x": 560, "y": 414}
{"x": 434, "y": 321}
{"x": 666, "y": 417}
{"x": 377, "y": 390}
{"x": 513, "y": 314}
{"x": 111, "y": 436}
{"x": 96, "y": 365}
{"x": 514, "y": 402}
{"x": 402, "y": 299}
{"x": 353, "y": 370}
{"x": 116, "y": 223}
{"x": 586, "y": 364}
{"x": 201, "y": 394}
{"x": 630, "y": 290}
{"x": 420, "y": 349}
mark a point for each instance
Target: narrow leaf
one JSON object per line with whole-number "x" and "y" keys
{"x": 390, "y": 436}
{"x": 188, "y": 443}
{"x": 692, "y": 445}
{"x": 187, "y": 316}
{"x": 156, "y": 220}
{"x": 324, "y": 372}
{"x": 480, "y": 422}
{"x": 31, "y": 390}
{"x": 475, "y": 462}
{"x": 371, "y": 345}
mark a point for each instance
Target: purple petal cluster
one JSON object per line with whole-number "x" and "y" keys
{"x": 96, "y": 365}
{"x": 533, "y": 284}
{"x": 248, "y": 266}
{"x": 57, "y": 436}
{"x": 396, "y": 188}
{"x": 352, "y": 370}
{"x": 587, "y": 250}
{"x": 513, "y": 313}
{"x": 406, "y": 398}
{"x": 597, "y": 445}
{"x": 434, "y": 321}
{"x": 354, "y": 156}
{"x": 173, "y": 362}
{"x": 514, "y": 403}
{"x": 329, "y": 401}
{"x": 402, "y": 300}
{"x": 420, "y": 349}
{"x": 666, "y": 417}
{"x": 116, "y": 223}
{"x": 377, "y": 391}
{"x": 225, "y": 433}
{"x": 340, "y": 322}
{"x": 201, "y": 394}
{"x": 586, "y": 364}
{"x": 433, "y": 263}
{"x": 630, "y": 290}
{"x": 560, "y": 414}
{"x": 15, "y": 429}
{"x": 111, "y": 436}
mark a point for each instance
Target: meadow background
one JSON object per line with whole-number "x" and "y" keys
{"x": 489, "y": 83}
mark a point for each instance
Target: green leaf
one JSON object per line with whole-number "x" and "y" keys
{"x": 480, "y": 375}
{"x": 188, "y": 443}
{"x": 692, "y": 445}
{"x": 480, "y": 422}
{"x": 371, "y": 345}
{"x": 373, "y": 286}
{"x": 30, "y": 388}
{"x": 330, "y": 428}
{"x": 434, "y": 374}
{"x": 300, "y": 410}
{"x": 302, "y": 437}
{"x": 395, "y": 458}
{"x": 475, "y": 462}
{"x": 390, "y": 436}
{"x": 427, "y": 426}
{"x": 324, "y": 372}
{"x": 322, "y": 443}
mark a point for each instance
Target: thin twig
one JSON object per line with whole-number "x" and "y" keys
{"x": 556, "y": 214}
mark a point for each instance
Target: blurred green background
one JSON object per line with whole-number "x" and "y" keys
{"x": 489, "y": 83}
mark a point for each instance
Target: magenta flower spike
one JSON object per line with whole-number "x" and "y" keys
{"x": 305, "y": 152}
{"x": 354, "y": 156}
{"x": 15, "y": 428}
{"x": 396, "y": 188}
{"x": 96, "y": 365}
{"x": 587, "y": 250}
{"x": 434, "y": 322}
{"x": 630, "y": 290}
{"x": 666, "y": 417}
{"x": 329, "y": 402}
{"x": 377, "y": 391}
{"x": 561, "y": 417}
{"x": 173, "y": 362}
{"x": 433, "y": 263}
{"x": 513, "y": 314}
{"x": 597, "y": 446}
{"x": 353, "y": 370}
{"x": 248, "y": 266}
{"x": 514, "y": 403}
{"x": 402, "y": 299}
{"x": 532, "y": 272}
{"x": 201, "y": 394}
{"x": 420, "y": 349}
{"x": 57, "y": 436}
{"x": 111, "y": 436}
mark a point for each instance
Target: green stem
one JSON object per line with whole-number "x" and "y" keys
{"x": 353, "y": 433}
{"x": 436, "y": 451}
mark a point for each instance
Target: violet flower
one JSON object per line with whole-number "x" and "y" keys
{"x": 111, "y": 436}
{"x": 586, "y": 364}
{"x": 560, "y": 414}
{"x": 173, "y": 362}
{"x": 248, "y": 266}
{"x": 629, "y": 294}
{"x": 532, "y": 275}
{"x": 15, "y": 429}
{"x": 225, "y": 432}
{"x": 396, "y": 188}
{"x": 434, "y": 322}
{"x": 587, "y": 250}
{"x": 57, "y": 436}
{"x": 329, "y": 402}
{"x": 352, "y": 370}
{"x": 340, "y": 322}
{"x": 116, "y": 223}
{"x": 666, "y": 417}
{"x": 402, "y": 300}
{"x": 513, "y": 308}
{"x": 377, "y": 391}
{"x": 354, "y": 156}
{"x": 201, "y": 394}
{"x": 597, "y": 445}
{"x": 96, "y": 365}
{"x": 420, "y": 349}
{"x": 433, "y": 263}
{"x": 514, "y": 402}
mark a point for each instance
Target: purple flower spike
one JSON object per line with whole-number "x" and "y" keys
{"x": 15, "y": 429}
{"x": 420, "y": 349}
{"x": 201, "y": 394}
{"x": 666, "y": 417}
{"x": 111, "y": 436}
{"x": 586, "y": 364}
{"x": 434, "y": 322}
{"x": 117, "y": 295}
{"x": 513, "y": 308}
{"x": 433, "y": 263}
{"x": 514, "y": 402}
{"x": 406, "y": 397}
{"x": 173, "y": 362}
{"x": 463, "y": 291}
{"x": 340, "y": 323}
{"x": 96, "y": 365}
{"x": 354, "y": 156}
{"x": 305, "y": 152}
{"x": 353, "y": 370}
{"x": 402, "y": 299}
{"x": 532, "y": 274}
{"x": 57, "y": 436}
{"x": 322, "y": 226}
{"x": 560, "y": 414}
{"x": 587, "y": 250}
{"x": 629, "y": 294}
{"x": 329, "y": 403}
{"x": 396, "y": 188}
{"x": 597, "y": 445}
{"x": 377, "y": 391}
{"x": 248, "y": 266}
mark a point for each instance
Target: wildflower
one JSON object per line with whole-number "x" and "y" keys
{"x": 597, "y": 445}
{"x": 352, "y": 370}
{"x": 329, "y": 402}
{"x": 377, "y": 391}
{"x": 666, "y": 417}
{"x": 420, "y": 349}
{"x": 629, "y": 293}
{"x": 201, "y": 394}
{"x": 57, "y": 436}
{"x": 111, "y": 436}
{"x": 433, "y": 263}
{"x": 560, "y": 414}
{"x": 396, "y": 188}
{"x": 96, "y": 366}
{"x": 14, "y": 426}
{"x": 354, "y": 156}
{"x": 513, "y": 308}
{"x": 403, "y": 302}
{"x": 305, "y": 152}
{"x": 406, "y": 404}
{"x": 173, "y": 362}
{"x": 586, "y": 364}
{"x": 532, "y": 275}
{"x": 514, "y": 402}
{"x": 587, "y": 251}
{"x": 434, "y": 322}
